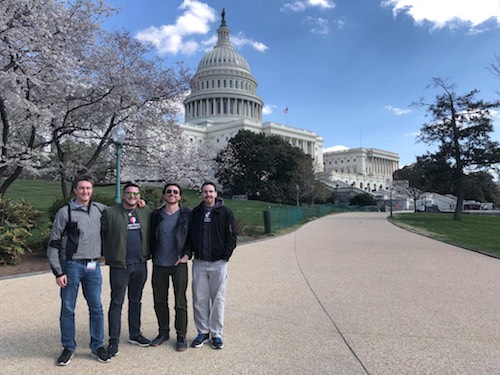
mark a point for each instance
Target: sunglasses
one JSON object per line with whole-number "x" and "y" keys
{"x": 172, "y": 191}
{"x": 133, "y": 194}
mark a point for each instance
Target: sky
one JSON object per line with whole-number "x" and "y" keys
{"x": 348, "y": 70}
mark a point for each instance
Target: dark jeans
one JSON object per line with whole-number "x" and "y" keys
{"x": 133, "y": 277}
{"x": 160, "y": 281}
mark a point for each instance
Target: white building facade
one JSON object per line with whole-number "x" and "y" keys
{"x": 224, "y": 100}
{"x": 367, "y": 169}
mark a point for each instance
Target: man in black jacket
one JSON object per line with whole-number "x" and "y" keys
{"x": 169, "y": 228}
{"x": 211, "y": 239}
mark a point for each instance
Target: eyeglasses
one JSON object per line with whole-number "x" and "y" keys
{"x": 133, "y": 194}
{"x": 170, "y": 191}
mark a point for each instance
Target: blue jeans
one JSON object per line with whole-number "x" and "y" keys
{"x": 91, "y": 281}
{"x": 132, "y": 278}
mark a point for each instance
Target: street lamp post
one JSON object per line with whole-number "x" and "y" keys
{"x": 390, "y": 200}
{"x": 118, "y": 135}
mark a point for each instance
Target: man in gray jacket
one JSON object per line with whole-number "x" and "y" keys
{"x": 73, "y": 252}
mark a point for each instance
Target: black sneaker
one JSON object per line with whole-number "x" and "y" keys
{"x": 200, "y": 340}
{"x": 181, "y": 344}
{"x": 65, "y": 358}
{"x": 113, "y": 350}
{"x": 101, "y": 355}
{"x": 140, "y": 340}
{"x": 158, "y": 340}
{"x": 217, "y": 343}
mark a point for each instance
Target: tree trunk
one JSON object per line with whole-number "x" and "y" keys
{"x": 459, "y": 180}
{"x": 10, "y": 180}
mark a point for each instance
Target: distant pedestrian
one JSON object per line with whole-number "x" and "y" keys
{"x": 211, "y": 239}
{"x": 169, "y": 229}
{"x": 73, "y": 252}
{"x": 125, "y": 229}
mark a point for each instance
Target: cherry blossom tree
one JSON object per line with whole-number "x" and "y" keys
{"x": 67, "y": 83}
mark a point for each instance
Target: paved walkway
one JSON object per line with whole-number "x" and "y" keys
{"x": 345, "y": 294}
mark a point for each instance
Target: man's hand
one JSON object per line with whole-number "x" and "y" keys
{"x": 62, "y": 281}
{"x": 184, "y": 259}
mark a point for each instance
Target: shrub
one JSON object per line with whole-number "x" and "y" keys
{"x": 17, "y": 220}
{"x": 363, "y": 199}
{"x": 152, "y": 196}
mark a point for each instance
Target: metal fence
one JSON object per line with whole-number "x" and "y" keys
{"x": 276, "y": 218}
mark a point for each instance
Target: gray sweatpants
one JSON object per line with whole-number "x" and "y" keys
{"x": 209, "y": 296}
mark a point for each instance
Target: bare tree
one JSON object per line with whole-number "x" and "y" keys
{"x": 460, "y": 127}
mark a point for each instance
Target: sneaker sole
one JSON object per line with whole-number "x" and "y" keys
{"x": 95, "y": 356}
{"x": 67, "y": 362}
{"x": 201, "y": 344}
{"x": 217, "y": 346}
{"x": 138, "y": 343}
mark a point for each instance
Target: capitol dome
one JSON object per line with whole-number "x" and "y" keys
{"x": 223, "y": 88}
{"x": 223, "y": 54}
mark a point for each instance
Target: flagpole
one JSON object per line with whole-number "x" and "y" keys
{"x": 285, "y": 111}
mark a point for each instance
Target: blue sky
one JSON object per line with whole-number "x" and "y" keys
{"x": 348, "y": 70}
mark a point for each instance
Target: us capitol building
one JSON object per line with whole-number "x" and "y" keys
{"x": 224, "y": 100}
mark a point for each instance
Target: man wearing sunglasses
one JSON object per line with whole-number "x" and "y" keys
{"x": 169, "y": 227}
{"x": 125, "y": 230}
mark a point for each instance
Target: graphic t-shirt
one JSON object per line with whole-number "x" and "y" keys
{"x": 166, "y": 254}
{"x": 134, "y": 239}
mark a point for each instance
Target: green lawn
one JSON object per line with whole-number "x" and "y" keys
{"x": 42, "y": 194}
{"x": 475, "y": 232}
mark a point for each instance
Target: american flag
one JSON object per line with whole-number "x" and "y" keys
{"x": 285, "y": 110}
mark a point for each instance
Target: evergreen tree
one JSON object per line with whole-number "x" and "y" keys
{"x": 461, "y": 127}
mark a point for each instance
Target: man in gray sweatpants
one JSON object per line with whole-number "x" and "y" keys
{"x": 211, "y": 239}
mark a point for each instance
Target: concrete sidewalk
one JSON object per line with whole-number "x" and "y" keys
{"x": 345, "y": 294}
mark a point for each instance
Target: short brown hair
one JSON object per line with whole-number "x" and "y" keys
{"x": 82, "y": 178}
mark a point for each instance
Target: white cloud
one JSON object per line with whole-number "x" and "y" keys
{"x": 240, "y": 40}
{"x": 335, "y": 148}
{"x": 397, "y": 111}
{"x": 300, "y": 6}
{"x": 179, "y": 37}
{"x": 413, "y": 134}
{"x": 318, "y": 25}
{"x": 196, "y": 19}
{"x": 268, "y": 109}
{"x": 447, "y": 13}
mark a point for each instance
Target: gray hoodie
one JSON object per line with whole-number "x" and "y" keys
{"x": 88, "y": 220}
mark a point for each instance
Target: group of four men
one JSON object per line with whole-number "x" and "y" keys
{"x": 132, "y": 233}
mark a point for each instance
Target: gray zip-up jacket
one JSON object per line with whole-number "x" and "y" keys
{"x": 88, "y": 220}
